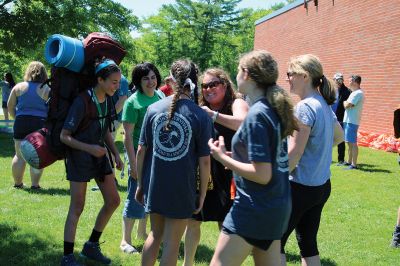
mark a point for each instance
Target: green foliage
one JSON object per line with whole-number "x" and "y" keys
{"x": 356, "y": 225}
{"x": 26, "y": 25}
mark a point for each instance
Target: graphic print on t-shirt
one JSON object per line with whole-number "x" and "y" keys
{"x": 172, "y": 144}
{"x": 282, "y": 158}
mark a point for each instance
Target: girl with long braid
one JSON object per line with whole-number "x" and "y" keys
{"x": 173, "y": 141}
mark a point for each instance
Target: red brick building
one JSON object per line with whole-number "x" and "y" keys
{"x": 349, "y": 36}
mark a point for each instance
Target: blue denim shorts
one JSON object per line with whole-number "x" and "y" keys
{"x": 350, "y": 132}
{"x": 132, "y": 208}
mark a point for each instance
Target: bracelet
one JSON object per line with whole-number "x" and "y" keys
{"x": 215, "y": 115}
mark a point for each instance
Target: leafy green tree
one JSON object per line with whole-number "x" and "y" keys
{"x": 25, "y": 25}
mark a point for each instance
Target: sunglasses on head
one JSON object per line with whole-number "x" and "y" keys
{"x": 211, "y": 84}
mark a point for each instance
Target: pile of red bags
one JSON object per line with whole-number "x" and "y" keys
{"x": 384, "y": 142}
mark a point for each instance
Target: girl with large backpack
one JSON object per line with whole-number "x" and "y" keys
{"x": 86, "y": 159}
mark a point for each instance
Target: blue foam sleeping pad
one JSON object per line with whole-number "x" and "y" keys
{"x": 64, "y": 51}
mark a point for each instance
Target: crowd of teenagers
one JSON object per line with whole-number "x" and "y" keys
{"x": 245, "y": 158}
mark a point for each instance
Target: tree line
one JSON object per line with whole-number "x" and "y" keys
{"x": 209, "y": 32}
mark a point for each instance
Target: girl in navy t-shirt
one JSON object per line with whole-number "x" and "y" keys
{"x": 262, "y": 205}
{"x": 173, "y": 141}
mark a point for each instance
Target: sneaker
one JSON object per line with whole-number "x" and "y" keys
{"x": 69, "y": 260}
{"x": 396, "y": 238}
{"x": 126, "y": 248}
{"x": 91, "y": 250}
{"x": 351, "y": 167}
{"x": 340, "y": 163}
{"x": 346, "y": 163}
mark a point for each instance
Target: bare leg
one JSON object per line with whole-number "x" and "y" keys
{"x": 350, "y": 148}
{"x": 311, "y": 261}
{"x": 5, "y": 112}
{"x": 111, "y": 198}
{"x": 231, "y": 250}
{"x": 141, "y": 230}
{"x": 192, "y": 239}
{"x": 127, "y": 227}
{"x": 283, "y": 260}
{"x": 78, "y": 194}
{"x": 36, "y": 174}
{"x": 355, "y": 154}
{"x": 272, "y": 256}
{"x": 18, "y": 164}
{"x": 153, "y": 241}
{"x": 173, "y": 232}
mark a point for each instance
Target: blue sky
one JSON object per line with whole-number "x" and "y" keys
{"x": 142, "y": 8}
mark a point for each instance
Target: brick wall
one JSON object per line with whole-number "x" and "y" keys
{"x": 351, "y": 36}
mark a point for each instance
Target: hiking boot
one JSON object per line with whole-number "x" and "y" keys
{"x": 396, "y": 238}
{"x": 69, "y": 260}
{"x": 91, "y": 250}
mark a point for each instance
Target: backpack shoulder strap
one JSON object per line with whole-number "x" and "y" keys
{"x": 90, "y": 110}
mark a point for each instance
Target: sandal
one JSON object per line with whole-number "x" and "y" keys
{"x": 129, "y": 249}
{"x": 20, "y": 186}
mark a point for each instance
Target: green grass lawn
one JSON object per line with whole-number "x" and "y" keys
{"x": 355, "y": 229}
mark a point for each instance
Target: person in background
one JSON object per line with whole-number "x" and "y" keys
{"x": 167, "y": 89}
{"x": 261, "y": 209}
{"x": 119, "y": 98}
{"x": 396, "y": 233}
{"x": 173, "y": 142}
{"x": 343, "y": 94}
{"x": 6, "y": 86}
{"x": 146, "y": 79}
{"x": 86, "y": 159}
{"x": 227, "y": 110}
{"x": 310, "y": 153}
{"x": 352, "y": 118}
{"x": 27, "y": 103}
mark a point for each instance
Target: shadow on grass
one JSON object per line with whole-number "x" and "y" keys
{"x": 371, "y": 168}
{"x": 120, "y": 146}
{"x": 295, "y": 258}
{"x": 49, "y": 191}
{"x": 19, "y": 248}
{"x": 203, "y": 253}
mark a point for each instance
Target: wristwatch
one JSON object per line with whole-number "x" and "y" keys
{"x": 215, "y": 115}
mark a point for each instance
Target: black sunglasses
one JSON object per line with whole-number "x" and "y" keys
{"x": 290, "y": 74}
{"x": 211, "y": 84}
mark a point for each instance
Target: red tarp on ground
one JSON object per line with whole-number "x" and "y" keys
{"x": 378, "y": 141}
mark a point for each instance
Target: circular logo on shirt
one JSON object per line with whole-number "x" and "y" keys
{"x": 171, "y": 144}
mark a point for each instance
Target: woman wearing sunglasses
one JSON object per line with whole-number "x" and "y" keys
{"x": 227, "y": 110}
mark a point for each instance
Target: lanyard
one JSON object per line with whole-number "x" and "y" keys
{"x": 102, "y": 117}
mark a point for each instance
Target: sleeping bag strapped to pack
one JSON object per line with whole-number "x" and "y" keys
{"x": 98, "y": 45}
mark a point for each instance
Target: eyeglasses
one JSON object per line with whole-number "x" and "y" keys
{"x": 211, "y": 84}
{"x": 290, "y": 74}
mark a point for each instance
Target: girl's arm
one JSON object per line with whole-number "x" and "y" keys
{"x": 297, "y": 144}
{"x": 93, "y": 149}
{"x": 205, "y": 169}
{"x": 128, "y": 143}
{"x": 337, "y": 134}
{"x": 12, "y": 102}
{"x": 141, "y": 153}
{"x": 258, "y": 172}
{"x": 239, "y": 112}
{"x": 111, "y": 145}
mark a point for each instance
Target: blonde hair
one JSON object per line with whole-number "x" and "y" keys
{"x": 35, "y": 72}
{"x": 263, "y": 70}
{"x": 230, "y": 94}
{"x": 310, "y": 65}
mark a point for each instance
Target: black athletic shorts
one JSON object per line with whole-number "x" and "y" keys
{"x": 261, "y": 244}
{"x": 26, "y": 124}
